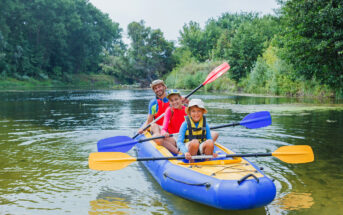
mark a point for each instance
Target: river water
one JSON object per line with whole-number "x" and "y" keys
{"x": 46, "y": 137}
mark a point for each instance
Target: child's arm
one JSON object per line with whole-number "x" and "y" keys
{"x": 166, "y": 121}
{"x": 181, "y": 138}
{"x": 208, "y": 132}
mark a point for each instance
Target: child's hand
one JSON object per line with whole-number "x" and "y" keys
{"x": 140, "y": 131}
{"x": 215, "y": 155}
{"x": 164, "y": 133}
{"x": 184, "y": 100}
{"x": 188, "y": 156}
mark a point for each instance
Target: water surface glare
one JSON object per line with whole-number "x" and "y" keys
{"x": 46, "y": 137}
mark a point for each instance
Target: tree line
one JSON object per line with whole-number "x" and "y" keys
{"x": 297, "y": 50}
{"x": 54, "y": 39}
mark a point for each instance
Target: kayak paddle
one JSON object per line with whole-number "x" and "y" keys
{"x": 117, "y": 160}
{"x": 253, "y": 120}
{"x": 125, "y": 143}
{"x": 215, "y": 73}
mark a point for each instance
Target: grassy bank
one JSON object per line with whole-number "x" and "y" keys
{"x": 81, "y": 81}
{"x": 270, "y": 76}
{"x": 191, "y": 75}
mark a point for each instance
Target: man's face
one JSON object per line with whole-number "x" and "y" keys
{"x": 159, "y": 90}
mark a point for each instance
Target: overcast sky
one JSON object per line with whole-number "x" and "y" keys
{"x": 171, "y": 15}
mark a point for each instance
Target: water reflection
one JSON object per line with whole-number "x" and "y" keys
{"x": 109, "y": 205}
{"x": 295, "y": 201}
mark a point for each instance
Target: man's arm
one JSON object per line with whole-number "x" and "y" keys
{"x": 151, "y": 111}
{"x": 147, "y": 122}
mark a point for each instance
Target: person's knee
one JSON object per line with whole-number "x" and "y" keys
{"x": 159, "y": 141}
{"x": 194, "y": 143}
{"x": 154, "y": 126}
{"x": 155, "y": 129}
{"x": 214, "y": 135}
{"x": 170, "y": 141}
{"x": 209, "y": 144}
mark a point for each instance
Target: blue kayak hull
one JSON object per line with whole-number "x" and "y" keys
{"x": 252, "y": 192}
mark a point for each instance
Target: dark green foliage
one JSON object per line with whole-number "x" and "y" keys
{"x": 213, "y": 41}
{"x": 313, "y": 39}
{"x": 239, "y": 38}
{"x": 193, "y": 39}
{"x": 150, "y": 54}
{"x": 44, "y": 38}
{"x": 249, "y": 42}
{"x": 47, "y": 40}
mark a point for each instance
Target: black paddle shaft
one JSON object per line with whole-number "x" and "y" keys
{"x": 200, "y": 157}
{"x": 196, "y": 89}
{"x": 153, "y": 138}
{"x": 225, "y": 125}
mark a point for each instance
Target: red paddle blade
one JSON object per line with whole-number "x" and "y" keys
{"x": 216, "y": 73}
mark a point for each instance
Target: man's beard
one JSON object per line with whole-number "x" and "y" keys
{"x": 160, "y": 93}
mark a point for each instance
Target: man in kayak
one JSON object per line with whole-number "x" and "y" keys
{"x": 194, "y": 134}
{"x": 157, "y": 107}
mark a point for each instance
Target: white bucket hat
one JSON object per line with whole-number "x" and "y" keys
{"x": 196, "y": 102}
{"x": 157, "y": 82}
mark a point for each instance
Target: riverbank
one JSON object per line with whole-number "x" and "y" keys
{"x": 81, "y": 81}
{"x": 271, "y": 83}
{"x": 186, "y": 77}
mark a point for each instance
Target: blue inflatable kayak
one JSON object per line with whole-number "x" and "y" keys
{"x": 230, "y": 184}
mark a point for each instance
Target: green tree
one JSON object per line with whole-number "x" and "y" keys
{"x": 223, "y": 45}
{"x": 313, "y": 39}
{"x": 150, "y": 54}
{"x": 214, "y": 41}
{"x": 192, "y": 37}
{"x": 248, "y": 43}
{"x": 54, "y": 38}
{"x": 2, "y": 55}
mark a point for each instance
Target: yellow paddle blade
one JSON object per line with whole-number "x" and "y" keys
{"x": 294, "y": 154}
{"x": 109, "y": 160}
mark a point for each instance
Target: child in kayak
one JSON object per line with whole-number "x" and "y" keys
{"x": 195, "y": 136}
{"x": 173, "y": 119}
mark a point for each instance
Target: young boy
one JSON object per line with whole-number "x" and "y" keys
{"x": 194, "y": 135}
{"x": 173, "y": 119}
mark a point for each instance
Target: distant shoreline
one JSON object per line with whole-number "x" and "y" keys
{"x": 91, "y": 83}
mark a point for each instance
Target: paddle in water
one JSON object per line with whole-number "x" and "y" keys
{"x": 106, "y": 161}
{"x": 125, "y": 143}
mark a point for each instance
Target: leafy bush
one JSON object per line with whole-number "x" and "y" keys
{"x": 272, "y": 75}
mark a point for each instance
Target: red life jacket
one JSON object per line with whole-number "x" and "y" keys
{"x": 176, "y": 120}
{"x": 161, "y": 109}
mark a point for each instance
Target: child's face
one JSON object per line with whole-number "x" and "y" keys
{"x": 175, "y": 101}
{"x": 196, "y": 113}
